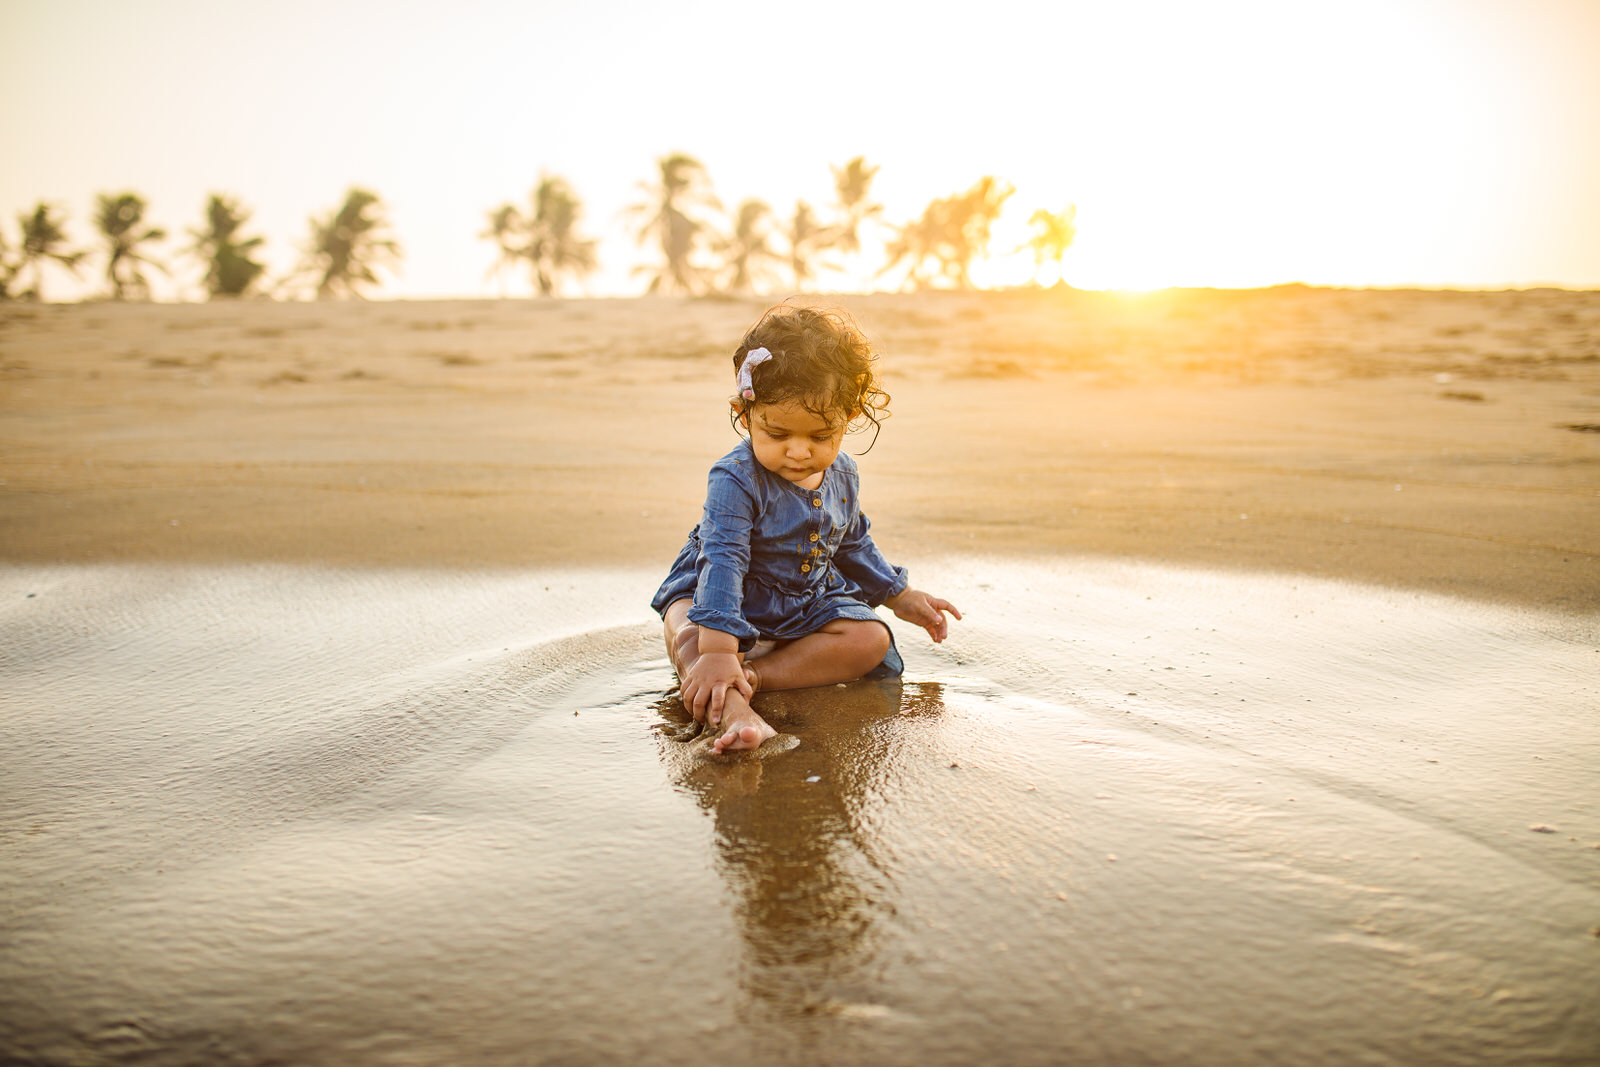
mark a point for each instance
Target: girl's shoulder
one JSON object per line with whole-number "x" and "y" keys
{"x": 844, "y": 464}
{"x": 738, "y": 465}
{"x": 739, "y": 457}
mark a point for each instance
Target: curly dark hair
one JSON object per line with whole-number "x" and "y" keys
{"x": 820, "y": 360}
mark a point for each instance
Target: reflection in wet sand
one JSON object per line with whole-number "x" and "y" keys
{"x": 794, "y": 848}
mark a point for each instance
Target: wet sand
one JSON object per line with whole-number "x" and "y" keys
{"x": 268, "y": 814}
{"x": 331, "y": 713}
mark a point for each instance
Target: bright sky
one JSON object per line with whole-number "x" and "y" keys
{"x": 1227, "y": 143}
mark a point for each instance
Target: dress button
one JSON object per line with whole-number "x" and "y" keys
{"x": 816, "y": 501}
{"x": 813, "y": 537}
{"x": 805, "y": 568}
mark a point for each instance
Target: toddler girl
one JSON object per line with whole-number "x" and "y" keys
{"x": 775, "y": 587}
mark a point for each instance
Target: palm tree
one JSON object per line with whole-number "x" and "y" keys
{"x": 669, "y": 216}
{"x": 230, "y": 270}
{"x": 43, "y": 240}
{"x": 505, "y": 226}
{"x": 914, "y": 244}
{"x": 349, "y": 245}
{"x": 951, "y": 233}
{"x": 9, "y": 268}
{"x": 747, "y": 250}
{"x": 852, "y": 184}
{"x": 806, "y": 239}
{"x": 547, "y": 238}
{"x": 1053, "y": 235}
{"x": 554, "y": 247}
{"x": 119, "y": 219}
{"x": 977, "y": 210}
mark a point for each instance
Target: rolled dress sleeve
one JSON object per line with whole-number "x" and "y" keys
{"x": 859, "y": 560}
{"x": 724, "y": 531}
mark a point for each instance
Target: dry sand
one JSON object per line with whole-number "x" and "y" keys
{"x": 331, "y": 710}
{"x": 1437, "y": 440}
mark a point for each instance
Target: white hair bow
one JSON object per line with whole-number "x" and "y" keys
{"x": 753, "y": 359}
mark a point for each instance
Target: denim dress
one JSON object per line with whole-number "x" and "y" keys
{"x": 772, "y": 560}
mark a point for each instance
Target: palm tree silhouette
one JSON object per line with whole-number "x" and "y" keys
{"x": 748, "y": 251}
{"x": 119, "y": 219}
{"x": 505, "y": 228}
{"x": 669, "y": 214}
{"x": 1053, "y": 235}
{"x": 9, "y": 268}
{"x": 913, "y": 245}
{"x": 952, "y": 232}
{"x": 43, "y": 241}
{"x": 230, "y": 270}
{"x": 554, "y": 247}
{"x": 806, "y": 239}
{"x": 852, "y": 184}
{"x": 547, "y": 238}
{"x": 348, "y": 245}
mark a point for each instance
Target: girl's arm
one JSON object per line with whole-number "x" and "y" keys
{"x": 859, "y": 560}
{"x": 725, "y": 529}
{"x": 718, "y": 609}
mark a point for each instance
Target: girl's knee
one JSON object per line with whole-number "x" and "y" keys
{"x": 676, "y": 616}
{"x": 873, "y": 641}
{"x": 686, "y": 640}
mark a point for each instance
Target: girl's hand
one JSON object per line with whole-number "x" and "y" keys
{"x": 925, "y": 610}
{"x": 705, "y": 688}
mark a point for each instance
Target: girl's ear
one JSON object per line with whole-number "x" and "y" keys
{"x": 740, "y": 412}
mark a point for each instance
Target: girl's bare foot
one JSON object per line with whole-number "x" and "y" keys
{"x": 741, "y": 727}
{"x": 742, "y": 734}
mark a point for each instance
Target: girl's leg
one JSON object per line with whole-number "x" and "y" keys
{"x": 841, "y": 651}
{"x": 683, "y": 638}
{"x": 740, "y": 725}
{"x": 680, "y": 635}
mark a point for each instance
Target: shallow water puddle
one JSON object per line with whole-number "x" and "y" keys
{"x": 1127, "y": 814}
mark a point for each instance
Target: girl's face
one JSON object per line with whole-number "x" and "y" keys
{"x": 793, "y": 443}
